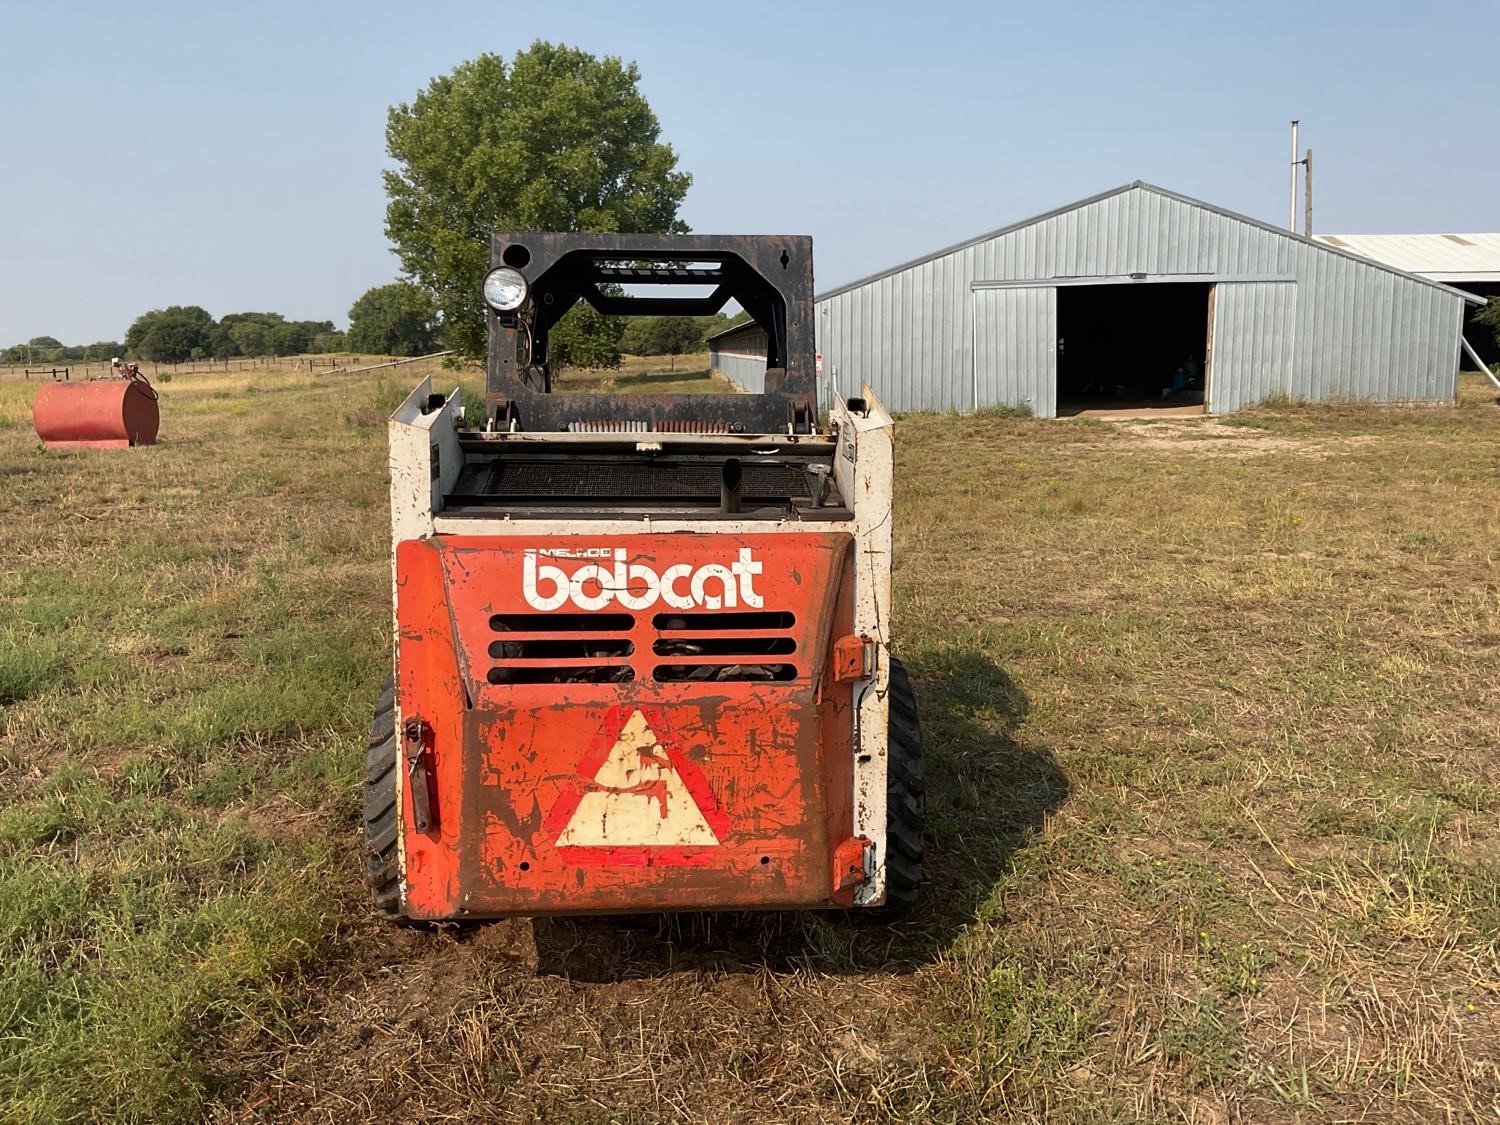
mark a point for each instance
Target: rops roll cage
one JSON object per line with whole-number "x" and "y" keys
{"x": 770, "y": 276}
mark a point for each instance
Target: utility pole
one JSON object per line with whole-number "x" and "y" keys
{"x": 1307, "y": 194}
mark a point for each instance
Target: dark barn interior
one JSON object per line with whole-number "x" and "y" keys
{"x": 1481, "y": 337}
{"x": 1129, "y": 346}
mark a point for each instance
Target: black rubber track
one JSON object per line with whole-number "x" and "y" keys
{"x": 906, "y": 795}
{"x": 382, "y": 865}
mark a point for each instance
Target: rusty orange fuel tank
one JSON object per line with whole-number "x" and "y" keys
{"x": 97, "y": 413}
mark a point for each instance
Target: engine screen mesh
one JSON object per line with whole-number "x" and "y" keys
{"x": 625, "y": 478}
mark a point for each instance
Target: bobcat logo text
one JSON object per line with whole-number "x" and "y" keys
{"x": 637, "y": 586}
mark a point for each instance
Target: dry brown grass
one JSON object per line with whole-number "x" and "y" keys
{"x": 655, "y": 374}
{"x": 1212, "y": 714}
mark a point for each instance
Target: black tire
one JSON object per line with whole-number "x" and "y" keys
{"x": 906, "y": 796}
{"x": 382, "y": 862}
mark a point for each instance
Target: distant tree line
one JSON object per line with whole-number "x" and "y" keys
{"x": 49, "y": 349}
{"x": 670, "y": 335}
{"x": 186, "y": 332}
{"x": 395, "y": 319}
{"x": 586, "y": 338}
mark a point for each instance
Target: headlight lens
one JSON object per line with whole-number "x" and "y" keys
{"x": 504, "y": 289}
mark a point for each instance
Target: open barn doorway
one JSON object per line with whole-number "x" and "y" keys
{"x": 1132, "y": 346}
{"x": 1481, "y": 337}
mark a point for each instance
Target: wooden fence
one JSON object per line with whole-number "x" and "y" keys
{"x": 103, "y": 370}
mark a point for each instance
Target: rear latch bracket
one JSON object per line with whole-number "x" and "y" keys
{"x": 853, "y": 658}
{"x": 416, "y": 738}
{"x": 852, "y": 863}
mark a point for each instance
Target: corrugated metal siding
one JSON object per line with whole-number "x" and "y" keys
{"x": 741, "y": 358}
{"x": 1255, "y": 332}
{"x": 1015, "y": 349}
{"x": 1362, "y": 332}
{"x": 748, "y": 372}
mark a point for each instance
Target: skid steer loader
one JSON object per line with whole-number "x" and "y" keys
{"x": 641, "y": 640}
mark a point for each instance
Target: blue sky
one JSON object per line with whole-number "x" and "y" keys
{"x": 226, "y": 155}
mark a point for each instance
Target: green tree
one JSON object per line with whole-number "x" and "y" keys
{"x": 327, "y": 340}
{"x": 39, "y": 349}
{"x": 295, "y": 337}
{"x": 266, "y": 333}
{"x": 1489, "y": 316}
{"x": 170, "y": 335}
{"x": 250, "y": 333}
{"x": 220, "y": 344}
{"x": 669, "y": 335}
{"x": 394, "y": 319}
{"x": 585, "y": 338}
{"x": 557, "y": 140}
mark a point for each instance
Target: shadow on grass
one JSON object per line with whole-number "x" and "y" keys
{"x": 986, "y": 795}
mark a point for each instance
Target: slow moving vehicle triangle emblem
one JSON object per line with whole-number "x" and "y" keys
{"x": 638, "y": 800}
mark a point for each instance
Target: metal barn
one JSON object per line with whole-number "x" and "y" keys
{"x": 1140, "y": 297}
{"x": 739, "y": 354}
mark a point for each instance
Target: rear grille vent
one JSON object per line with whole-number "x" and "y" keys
{"x": 723, "y": 647}
{"x": 561, "y": 648}
{"x": 756, "y": 621}
{"x": 726, "y": 646}
{"x": 562, "y": 623}
{"x": 561, "y": 673}
{"x": 600, "y": 648}
{"x": 722, "y": 673}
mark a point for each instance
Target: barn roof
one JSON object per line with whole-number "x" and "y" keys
{"x": 1441, "y": 257}
{"x": 745, "y": 328}
{"x": 1141, "y": 185}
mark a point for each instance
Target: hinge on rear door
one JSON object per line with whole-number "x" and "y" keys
{"x": 416, "y": 737}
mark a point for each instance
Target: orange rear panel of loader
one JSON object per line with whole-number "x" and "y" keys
{"x": 624, "y": 722}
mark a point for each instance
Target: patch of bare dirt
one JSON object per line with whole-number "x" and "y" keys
{"x": 707, "y": 1018}
{"x": 1213, "y": 437}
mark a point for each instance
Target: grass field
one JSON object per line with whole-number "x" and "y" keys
{"x": 682, "y": 374}
{"x": 1212, "y": 713}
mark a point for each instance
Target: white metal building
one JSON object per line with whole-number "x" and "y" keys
{"x": 1140, "y": 296}
{"x": 1450, "y": 258}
